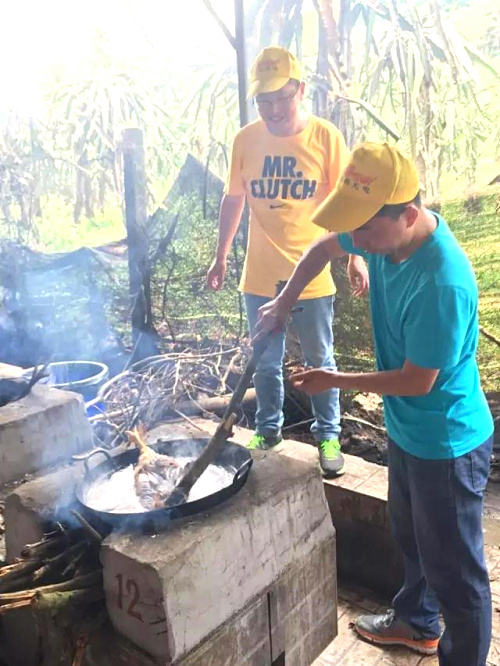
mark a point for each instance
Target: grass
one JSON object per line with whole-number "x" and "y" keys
{"x": 475, "y": 223}
{"x": 60, "y": 233}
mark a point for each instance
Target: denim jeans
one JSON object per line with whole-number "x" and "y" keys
{"x": 314, "y": 329}
{"x": 436, "y": 508}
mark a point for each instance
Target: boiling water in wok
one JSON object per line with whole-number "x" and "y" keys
{"x": 115, "y": 493}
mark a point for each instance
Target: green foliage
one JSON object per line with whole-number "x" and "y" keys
{"x": 474, "y": 221}
{"x": 475, "y": 224}
{"x": 182, "y": 304}
{"x": 60, "y": 232}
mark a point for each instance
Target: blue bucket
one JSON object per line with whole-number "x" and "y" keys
{"x": 84, "y": 377}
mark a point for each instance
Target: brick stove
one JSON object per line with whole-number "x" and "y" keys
{"x": 252, "y": 582}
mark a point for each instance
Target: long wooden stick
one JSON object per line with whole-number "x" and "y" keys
{"x": 224, "y": 430}
{"x": 86, "y": 580}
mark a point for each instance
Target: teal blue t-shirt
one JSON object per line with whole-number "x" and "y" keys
{"x": 425, "y": 310}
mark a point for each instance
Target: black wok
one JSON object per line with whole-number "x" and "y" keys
{"x": 233, "y": 458}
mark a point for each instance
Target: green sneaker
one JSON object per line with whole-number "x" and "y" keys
{"x": 264, "y": 443}
{"x": 330, "y": 457}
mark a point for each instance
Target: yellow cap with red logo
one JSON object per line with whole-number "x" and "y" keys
{"x": 377, "y": 174}
{"x": 272, "y": 69}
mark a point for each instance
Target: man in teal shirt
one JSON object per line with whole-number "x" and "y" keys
{"x": 423, "y": 298}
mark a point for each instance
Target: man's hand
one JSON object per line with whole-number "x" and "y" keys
{"x": 272, "y": 317}
{"x": 216, "y": 274}
{"x": 313, "y": 381}
{"x": 357, "y": 272}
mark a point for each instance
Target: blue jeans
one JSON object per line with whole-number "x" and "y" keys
{"x": 314, "y": 329}
{"x": 436, "y": 509}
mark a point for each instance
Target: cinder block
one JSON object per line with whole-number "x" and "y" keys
{"x": 169, "y": 593}
{"x": 33, "y": 505}
{"x": 221, "y": 649}
{"x": 366, "y": 550}
{"x": 259, "y": 657}
{"x": 45, "y": 428}
{"x": 253, "y": 626}
{"x": 319, "y": 638}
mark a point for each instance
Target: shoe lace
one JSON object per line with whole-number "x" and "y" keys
{"x": 389, "y": 617}
{"x": 330, "y": 447}
{"x": 256, "y": 441}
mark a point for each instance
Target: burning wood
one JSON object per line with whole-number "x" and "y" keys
{"x": 155, "y": 474}
{"x": 63, "y": 567}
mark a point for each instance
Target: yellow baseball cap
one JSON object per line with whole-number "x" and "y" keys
{"x": 272, "y": 69}
{"x": 377, "y": 174}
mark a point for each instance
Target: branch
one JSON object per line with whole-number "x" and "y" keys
{"x": 220, "y": 23}
{"x": 372, "y": 113}
{"x": 489, "y": 335}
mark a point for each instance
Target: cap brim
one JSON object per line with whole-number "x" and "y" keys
{"x": 260, "y": 87}
{"x": 340, "y": 212}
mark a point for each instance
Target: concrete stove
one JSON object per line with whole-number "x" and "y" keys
{"x": 252, "y": 582}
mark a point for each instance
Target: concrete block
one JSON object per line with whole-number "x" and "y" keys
{"x": 319, "y": 638}
{"x": 253, "y": 626}
{"x": 45, "y": 428}
{"x": 220, "y": 650}
{"x": 366, "y": 550}
{"x": 31, "y": 507}
{"x": 168, "y": 593}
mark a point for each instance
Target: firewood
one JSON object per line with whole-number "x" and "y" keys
{"x": 77, "y": 583}
{"x": 92, "y": 533}
{"x": 24, "y": 603}
{"x": 71, "y": 567}
{"x": 18, "y": 568}
{"x": 54, "y": 562}
{"x": 43, "y": 547}
{"x": 58, "y": 600}
{"x": 13, "y": 584}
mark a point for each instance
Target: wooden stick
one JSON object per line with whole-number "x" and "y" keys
{"x": 14, "y": 605}
{"x": 347, "y": 417}
{"x": 57, "y": 600}
{"x": 94, "y": 535}
{"x": 13, "y": 584}
{"x": 42, "y": 547}
{"x": 224, "y": 430}
{"x": 53, "y": 562}
{"x": 86, "y": 580}
{"x": 22, "y": 567}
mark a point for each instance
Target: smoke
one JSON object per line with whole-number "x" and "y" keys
{"x": 52, "y": 306}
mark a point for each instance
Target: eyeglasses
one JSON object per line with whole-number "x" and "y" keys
{"x": 265, "y": 104}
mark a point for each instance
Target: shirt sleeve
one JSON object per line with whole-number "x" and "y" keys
{"x": 436, "y": 325}
{"x": 338, "y": 159}
{"x": 345, "y": 242}
{"x": 235, "y": 184}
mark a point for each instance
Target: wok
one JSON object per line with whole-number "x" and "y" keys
{"x": 233, "y": 458}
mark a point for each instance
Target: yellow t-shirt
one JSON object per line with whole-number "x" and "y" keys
{"x": 284, "y": 179}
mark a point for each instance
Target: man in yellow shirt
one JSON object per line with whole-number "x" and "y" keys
{"x": 285, "y": 164}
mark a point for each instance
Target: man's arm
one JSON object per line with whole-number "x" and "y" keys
{"x": 229, "y": 220}
{"x": 410, "y": 380}
{"x": 273, "y": 315}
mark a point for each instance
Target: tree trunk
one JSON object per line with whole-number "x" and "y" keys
{"x": 144, "y": 336}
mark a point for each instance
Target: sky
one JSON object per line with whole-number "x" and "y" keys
{"x": 37, "y": 35}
